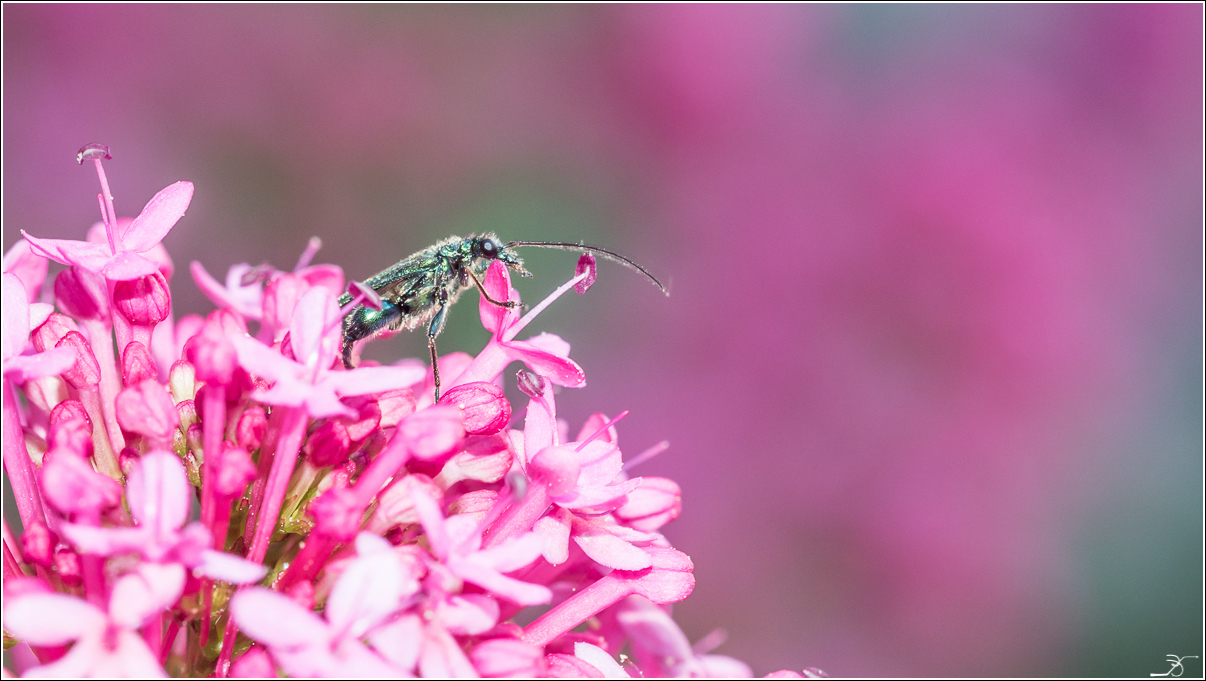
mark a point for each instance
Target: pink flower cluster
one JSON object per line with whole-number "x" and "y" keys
{"x": 345, "y": 524}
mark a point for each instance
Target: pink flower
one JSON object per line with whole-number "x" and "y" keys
{"x": 123, "y": 261}
{"x": 370, "y": 589}
{"x": 456, "y": 543}
{"x": 15, "y": 337}
{"x": 106, "y": 643}
{"x": 158, "y": 495}
{"x": 309, "y": 381}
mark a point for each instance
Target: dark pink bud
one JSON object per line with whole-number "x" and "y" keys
{"x": 67, "y": 563}
{"x": 368, "y": 418}
{"x": 137, "y": 365}
{"x": 147, "y": 409}
{"x": 128, "y": 458}
{"x": 249, "y": 432}
{"x": 70, "y": 429}
{"x": 235, "y": 470}
{"x": 212, "y": 354}
{"x": 71, "y": 486}
{"x": 86, "y": 372}
{"x": 328, "y": 445}
{"x": 656, "y": 502}
{"x": 486, "y": 409}
{"x": 145, "y": 301}
{"x": 586, "y": 263}
{"x": 38, "y": 542}
{"x": 434, "y": 432}
{"x": 280, "y": 297}
{"x": 81, "y": 294}
{"x": 52, "y": 331}
{"x": 337, "y": 513}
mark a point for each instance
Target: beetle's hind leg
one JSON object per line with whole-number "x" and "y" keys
{"x": 433, "y": 330}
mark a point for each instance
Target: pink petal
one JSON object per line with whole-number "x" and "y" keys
{"x": 29, "y": 267}
{"x": 148, "y": 590}
{"x": 158, "y": 493}
{"x": 498, "y": 657}
{"x": 92, "y": 257}
{"x": 321, "y": 402}
{"x": 598, "y": 499}
{"x": 723, "y": 666}
{"x": 51, "y": 619}
{"x": 468, "y": 614}
{"x": 246, "y": 300}
{"x": 442, "y": 657}
{"x": 254, "y": 664}
{"x": 158, "y": 217}
{"x": 601, "y": 463}
{"x": 373, "y": 380}
{"x": 273, "y": 619}
{"x": 314, "y": 331}
{"x": 72, "y": 485}
{"x": 562, "y": 666}
{"x": 50, "y": 363}
{"x": 498, "y": 285}
{"x": 652, "y": 629}
{"x": 554, "y": 533}
{"x": 329, "y": 277}
{"x": 600, "y": 659}
{"x": 261, "y": 360}
{"x": 127, "y": 266}
{"x": 104, "y": 541}
{"x": 512, "y": 554}
{"x": 433, "y": 432}
{"x": 147, "y": 409}
{"x": 399, "y": 641}
{"x": 227, "y": 568}
{"x": 560, "y": 370}
{"x": 557, "y": 468}
{"x": 368, "y": 591}
{"x": 608, "y": 549}
{"x": 656, "y": 502}
{"x": 523, "y": 593}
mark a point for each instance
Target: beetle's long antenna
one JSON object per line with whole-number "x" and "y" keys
{"x": 616, "y": 257}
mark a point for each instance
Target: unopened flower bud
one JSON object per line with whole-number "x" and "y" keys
{"x": 328, "y": 445}
{"x": 128, "y": 459}
{"x": 71, "y": 429}
{"x": 51, "y": 331}
{"x": 249, "y": 432}
{"x": 486, "y": 408}
{"x": 86, "y": 371}
{"x": 145, "y": 301}
{"x": 81, "y": 294}
{"x": 656, "y": 502}
{"x": 433, "y": 432}
{"x": 187, "y": 409}
{"x": 137, "y": 365}
{"x": 235, "y": 470}
{"x": 212, "y": 354}
{"x": 67, "y": 563}
{"x": 147, "y": 409}
{"x": 366, "y": 421}
{"x": 72, "y": 486}
{"x": 37, "y": 543}
{"x": 337, "y": 513}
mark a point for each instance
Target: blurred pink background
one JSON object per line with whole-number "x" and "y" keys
{"x": 931, "y": 368}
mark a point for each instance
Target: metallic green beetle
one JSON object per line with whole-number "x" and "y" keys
{"x": 419, "y": 289}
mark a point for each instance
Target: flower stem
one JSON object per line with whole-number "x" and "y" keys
{"x": 18, "y": 465}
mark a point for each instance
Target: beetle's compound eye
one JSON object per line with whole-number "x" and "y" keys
{"x": 488, "y": 248}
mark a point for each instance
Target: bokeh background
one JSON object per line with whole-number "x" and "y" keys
{"x": 931, "y": 368}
